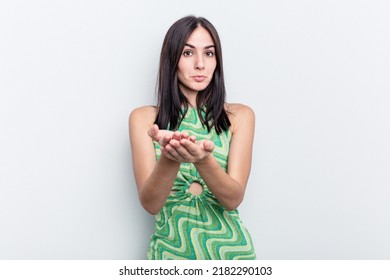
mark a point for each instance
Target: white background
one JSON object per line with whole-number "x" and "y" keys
{"x": 316, "y": 73}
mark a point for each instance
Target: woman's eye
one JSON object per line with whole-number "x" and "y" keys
{"x": 187, "y": 53}
{"x": 210, "y": 53}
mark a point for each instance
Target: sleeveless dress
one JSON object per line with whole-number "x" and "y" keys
{"x": 198, "y": 227}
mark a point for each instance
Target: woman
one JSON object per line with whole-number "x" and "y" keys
{"x": 192, "y": 152}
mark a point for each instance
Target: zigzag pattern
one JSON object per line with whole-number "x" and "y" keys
{"x": 196, "y": 226}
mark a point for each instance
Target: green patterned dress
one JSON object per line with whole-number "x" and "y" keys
{"x": 198, "y": 227}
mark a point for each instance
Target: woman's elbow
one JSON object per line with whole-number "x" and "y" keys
{"x": 233, "y": 204}
{"x": 151, "y": 209}
{"x": 151, "y": 206}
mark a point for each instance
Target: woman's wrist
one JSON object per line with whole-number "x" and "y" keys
{"x": 205, "y": 161}
{"x": 167, "y": 161}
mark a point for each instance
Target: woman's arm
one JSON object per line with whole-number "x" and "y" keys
{"x": 154, "y": 179}
{"x": 228, "y": 187}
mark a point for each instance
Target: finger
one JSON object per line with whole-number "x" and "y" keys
{"x": 173, "y": 152}
{"x": 176, "y": 135}
{"x": 192, "y": 139}
{"x": 165, "y": 140}
{"x": 153, "y": 132}
{"x": 167, "y": 154}
{"x": 208, "y": 145}
{"x": 181, "y": 150}
{"x": 185, "y": 135}
{"x": 190, "y": 146}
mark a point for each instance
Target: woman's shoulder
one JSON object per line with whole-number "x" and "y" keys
{"x": 144, "y": 114}
{"x": 239, "y": 114}
{"x": 238, "y": 109}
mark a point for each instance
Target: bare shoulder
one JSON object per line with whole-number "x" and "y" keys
{"x": 238, "y": 109}
{"x": 145, "y": 115}
{"x": 239, "y": 115}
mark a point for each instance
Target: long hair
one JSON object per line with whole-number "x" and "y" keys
{"x": 171, "y": 101}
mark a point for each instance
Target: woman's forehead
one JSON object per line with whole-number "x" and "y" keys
{"x": 200, "y": 37}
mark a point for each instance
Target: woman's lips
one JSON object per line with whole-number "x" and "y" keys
{"x": 199, "y": 78}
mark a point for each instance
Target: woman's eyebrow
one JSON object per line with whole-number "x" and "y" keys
{"x": 193, "y": 47}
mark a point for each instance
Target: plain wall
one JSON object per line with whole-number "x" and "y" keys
{"x": 316, "y": 73}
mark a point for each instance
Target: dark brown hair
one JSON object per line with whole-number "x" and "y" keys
{"x": 172, "y": 104}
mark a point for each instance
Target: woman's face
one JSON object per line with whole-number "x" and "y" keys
{"x": 197, "y": 63}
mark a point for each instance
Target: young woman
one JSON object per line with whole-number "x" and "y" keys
{"x": 192, "y": 152}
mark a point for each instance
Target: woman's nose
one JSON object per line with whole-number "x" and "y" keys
{"x": 199, "y": 63}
